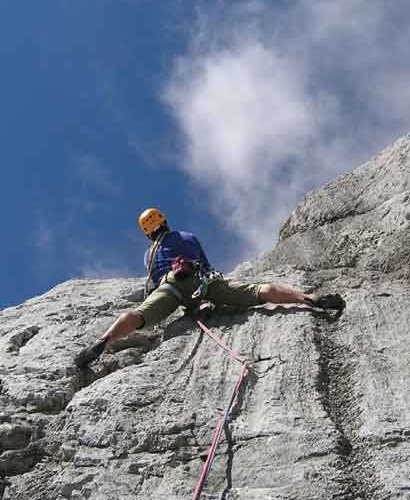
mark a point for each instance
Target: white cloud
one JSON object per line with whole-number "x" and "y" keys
{"x": 44, "y": 236}
{"x": 96, "y": 176}
{"x": 59, "y": 247}
{"x": 59, "y": 240}
{"x": 273, "y": 102}
{"x": 240, "y": 106}
{"x": 91, "y": 266}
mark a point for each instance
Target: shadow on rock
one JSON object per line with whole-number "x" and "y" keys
{"x": 218, "y": 317}
{"x": 223, "y": 316}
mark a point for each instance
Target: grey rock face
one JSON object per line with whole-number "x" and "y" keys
{"x": 325, "y": 413}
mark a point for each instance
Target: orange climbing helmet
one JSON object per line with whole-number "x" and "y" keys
{"x": 150, "y": 221}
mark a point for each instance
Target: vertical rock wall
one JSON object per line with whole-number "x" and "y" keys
{"x": 325, "y": 413}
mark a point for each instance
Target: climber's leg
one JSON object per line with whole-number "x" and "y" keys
{"x": 280, "y": 294}
{"x": 156, "y": 307}
{"x": 248, "y": 295}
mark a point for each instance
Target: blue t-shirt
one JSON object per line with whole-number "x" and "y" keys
{"x": 173, "y": 244}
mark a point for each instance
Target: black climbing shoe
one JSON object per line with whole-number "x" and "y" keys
{"x": 90, "y": 354}
{"x": 331, "y": 301}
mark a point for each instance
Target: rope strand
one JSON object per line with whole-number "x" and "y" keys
{"x": 232, "y": 401}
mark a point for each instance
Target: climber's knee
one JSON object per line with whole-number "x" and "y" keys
{"x": 132, "y": 320}
{"x": 280, "y": 294}
{"x": 266, "y": 293}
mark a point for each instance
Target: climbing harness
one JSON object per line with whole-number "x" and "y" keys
{"x": 182, "y": 268}
{"x": 205, "y": 276}
{"x": 228, "y": 410}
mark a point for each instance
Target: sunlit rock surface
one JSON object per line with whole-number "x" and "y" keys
{"x": 325, "y": 413}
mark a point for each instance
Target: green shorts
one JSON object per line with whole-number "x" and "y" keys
{"x": 163, "y": 300}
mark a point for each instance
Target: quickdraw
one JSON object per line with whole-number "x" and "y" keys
{"x": 205, "y": 276}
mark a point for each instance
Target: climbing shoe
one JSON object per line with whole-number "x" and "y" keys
{"x": 331, "y": 301}
{"x": 90, "y": 354}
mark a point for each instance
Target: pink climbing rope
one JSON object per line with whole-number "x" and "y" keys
{"x": 232, "y": 353}
{"x": 234, "y": 396}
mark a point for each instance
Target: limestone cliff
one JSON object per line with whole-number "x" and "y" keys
{"x": 326, "y": 413}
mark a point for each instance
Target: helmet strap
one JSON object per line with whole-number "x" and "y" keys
{"x": 163, "y": 228}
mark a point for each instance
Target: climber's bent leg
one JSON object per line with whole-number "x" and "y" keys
{"x": 156, "y": 307}
{"x": 232, "y": 293}
{"x": 279, "y": 294}
{"x": 236, "y": 294}
{"x": 126, "y": 323}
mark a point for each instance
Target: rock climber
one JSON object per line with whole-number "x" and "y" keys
{"x": 179, "y": 273}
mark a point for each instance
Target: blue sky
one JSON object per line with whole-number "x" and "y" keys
{"x": 223, "y": 114}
